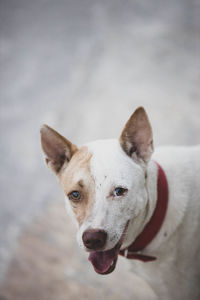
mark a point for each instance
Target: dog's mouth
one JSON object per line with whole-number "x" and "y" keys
{"x": 104, "y": 262}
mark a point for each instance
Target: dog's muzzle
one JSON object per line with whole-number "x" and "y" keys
{"x": 103, "y": 261}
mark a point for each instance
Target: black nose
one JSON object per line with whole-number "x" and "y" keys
{"x": 94, "y": 239}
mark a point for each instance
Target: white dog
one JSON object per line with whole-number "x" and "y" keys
{"x": 147, "y": 210}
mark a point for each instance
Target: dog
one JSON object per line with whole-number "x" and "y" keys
{"x": 131, "y": 200}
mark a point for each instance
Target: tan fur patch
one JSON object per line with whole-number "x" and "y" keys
{"x": 77, "y": 177}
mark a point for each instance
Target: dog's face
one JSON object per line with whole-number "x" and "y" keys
{"x": 104, "y": 184}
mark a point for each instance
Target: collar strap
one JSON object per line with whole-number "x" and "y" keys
{"x": 153, "y": 226}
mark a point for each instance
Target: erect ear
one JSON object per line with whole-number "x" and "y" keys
{"x": 136, "y": 138}
{"x": 58, "y": 150}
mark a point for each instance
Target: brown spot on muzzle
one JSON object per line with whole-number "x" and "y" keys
{"x": 77, "y": 177}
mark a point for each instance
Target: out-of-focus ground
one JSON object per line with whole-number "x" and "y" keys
{"x": 83, "y": 66}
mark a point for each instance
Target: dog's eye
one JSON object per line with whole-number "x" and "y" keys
{"x": 75, "y": 196}
{"x": 119, "y": 191}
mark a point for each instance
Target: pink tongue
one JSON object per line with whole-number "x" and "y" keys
{"x": 102, "y": 260}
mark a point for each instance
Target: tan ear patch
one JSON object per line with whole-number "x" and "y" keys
{"x": 57, "y": 149}
{"x": 77, "y": 177}
{"x": 136, "y": 138}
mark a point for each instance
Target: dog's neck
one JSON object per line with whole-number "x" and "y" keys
{"x": 137, "y": 224}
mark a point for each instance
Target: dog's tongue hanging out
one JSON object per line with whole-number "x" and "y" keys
{"x": 104, "y": 261}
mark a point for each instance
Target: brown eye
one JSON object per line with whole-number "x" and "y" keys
{"x": 75, "y": 196}
{"x": 119, "y": 191}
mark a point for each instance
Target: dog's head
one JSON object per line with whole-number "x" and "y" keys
{"x": 104, "y": 183}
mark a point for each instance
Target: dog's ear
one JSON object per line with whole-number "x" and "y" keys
{"x": 58, "y": 149}
{"x": 136, "y": 138}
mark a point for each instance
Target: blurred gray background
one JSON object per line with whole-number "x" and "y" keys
{"x": 83, "y": 66}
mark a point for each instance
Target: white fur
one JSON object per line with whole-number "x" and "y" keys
{"x": 176, "y": 272}
{"x": 111, "y": 168}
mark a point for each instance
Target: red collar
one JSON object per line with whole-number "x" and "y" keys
{"x": 153, "y": 226}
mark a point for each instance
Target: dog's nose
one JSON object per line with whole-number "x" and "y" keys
{"x": 94, "y": 239}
